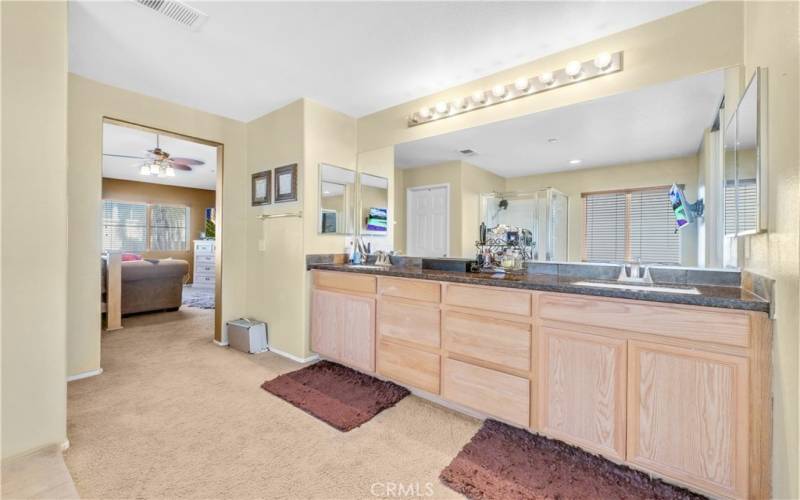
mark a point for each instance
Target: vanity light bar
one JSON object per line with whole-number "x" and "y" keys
{"x": 604, "y": 64}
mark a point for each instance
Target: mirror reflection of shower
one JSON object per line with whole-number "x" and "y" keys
{"x": 542, "y": 212}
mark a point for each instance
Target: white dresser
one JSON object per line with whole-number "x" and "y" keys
{"x": 204, "y": 272}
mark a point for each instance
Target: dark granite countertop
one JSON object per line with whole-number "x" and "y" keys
{"x": 727, "y": 297}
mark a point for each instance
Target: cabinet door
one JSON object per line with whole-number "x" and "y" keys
{"x": 582, "y": 390}
{"x": 357, "y": 334}
{"x": 325, "y": 323}
{"x": 343, "y": 328}
{"x": 687, "y": 413}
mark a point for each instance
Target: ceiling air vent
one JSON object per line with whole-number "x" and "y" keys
{"x": 177, "y": 11}
{"x": 467, "y": 152}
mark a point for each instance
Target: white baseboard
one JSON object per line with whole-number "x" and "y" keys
{"x": 221, "y": 344}
{"x": 87, "y": 374}
{"x": 293, "y": 357}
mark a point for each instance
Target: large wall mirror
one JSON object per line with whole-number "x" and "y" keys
{"x": 373, "y": 204}
{"x": 336, "y": 199}
{"x": 588, "y": 182}
{"x": 745, "y": 172}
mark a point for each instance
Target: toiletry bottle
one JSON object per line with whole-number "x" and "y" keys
{"x": 356, "y": 257}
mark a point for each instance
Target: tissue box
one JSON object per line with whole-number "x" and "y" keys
{"x": 247, "y": 335}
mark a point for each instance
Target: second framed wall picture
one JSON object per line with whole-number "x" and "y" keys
{"x": 286, "y": 183}
{"x": 261, "y": 188}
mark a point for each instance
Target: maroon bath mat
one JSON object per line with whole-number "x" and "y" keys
{"x": 503, "y": 462}
{"x": 335, "y": 394}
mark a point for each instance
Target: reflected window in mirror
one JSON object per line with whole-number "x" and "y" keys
{"x": 336, "y": 200}
{"x": 374, "y": 204}
{"x": 630, "y": 225}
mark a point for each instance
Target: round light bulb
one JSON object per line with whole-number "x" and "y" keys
{"x": 574, "y": 69}
{"x": 499, "y": 91}
{"x": 602, "y": 61}
{"x": 425, "y": 113}
{"x": 547, "y": 78}
{"x": 459, "y": 104}
{"x": 479, "y": 97}
{"x": 522, "y": 84}
{"x": 170, "y": 171}
{"x": 144, "y": 169}
{"x": 442, "y": 107}
{"x": 162, "y": 172}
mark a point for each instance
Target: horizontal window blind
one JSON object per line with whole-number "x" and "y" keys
{"x": 652, "y": 231}
{"x": 168, "y": 228}
{"x": 604, "y": 227}
{"x": 748, "y": 206}
{"x": 730, "y": 207}
{"x": 124, "y": 226}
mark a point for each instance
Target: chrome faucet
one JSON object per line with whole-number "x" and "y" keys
{"x": 635, "y": 273}
{"x": 382, "y": 259}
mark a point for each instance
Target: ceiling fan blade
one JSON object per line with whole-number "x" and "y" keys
{"x": 179, "y": 166}
{"x": 188, "y": 161}
{"x": 126, "y": 156}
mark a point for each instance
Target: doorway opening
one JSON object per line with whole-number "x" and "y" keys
{"x": 161, "y": 226}
{"x": 428, "y": 220}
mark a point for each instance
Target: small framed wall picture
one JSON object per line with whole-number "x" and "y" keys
{"x": 261, "y": 188}
{"x": 286, "y": 183}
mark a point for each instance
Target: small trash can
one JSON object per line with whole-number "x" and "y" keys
{"x": 247, "y": 335}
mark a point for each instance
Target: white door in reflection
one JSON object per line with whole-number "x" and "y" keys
{"x": 428, "y": 221}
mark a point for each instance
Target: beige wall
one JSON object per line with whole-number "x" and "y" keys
{"x": 275, "y": 275}
{"x": 147, "y": 192}
{"x": 697, "y": 40}
{"x": 475, "y": 181}
{"x": 34, "y": 263}
{"x": 772, "y": 41}
{"x": 89, "y": 102}
{"x": 380, "y": 162}
{"x": 635, "y": 175}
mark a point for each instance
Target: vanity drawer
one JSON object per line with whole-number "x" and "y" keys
{"x": 351, "y": 282}
{"x": 409, "y": 366}
{"x": 721, "y": 326}
{"x": 505, "y": 343}
{"x": 418, "y": 323}
{"x": 489, "y": 391}
{"x": 489, "y": 299}
{"x": 427, "y": 291}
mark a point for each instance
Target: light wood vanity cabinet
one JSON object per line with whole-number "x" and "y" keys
{"x": 682, "y": 392}
{"x": 582, "y": 393}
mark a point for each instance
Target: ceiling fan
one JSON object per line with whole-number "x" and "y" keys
{"x": 158, "y": 162}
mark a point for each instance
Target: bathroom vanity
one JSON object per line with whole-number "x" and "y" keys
{"x": 677, "y": 385}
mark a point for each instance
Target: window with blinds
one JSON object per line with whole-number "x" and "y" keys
{"x": 748, "y": 206}
{"x": 630, "y": 225}
{"x": 124, "y": 226}
{"x": 168, "y": 227}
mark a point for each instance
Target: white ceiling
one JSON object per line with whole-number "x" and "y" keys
{"x": 658, "y": 122}
{"x": 129, "y": 141}
{"x": 357, "y": 57}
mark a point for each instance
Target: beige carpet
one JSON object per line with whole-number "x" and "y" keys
{"x": 174, "y": 415}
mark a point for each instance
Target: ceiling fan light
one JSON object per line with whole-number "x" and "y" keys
{"x": 144, "y": 169}
{"x": 170, "y": 172}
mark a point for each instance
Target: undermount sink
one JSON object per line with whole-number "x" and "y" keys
{"x": 639, "y": 288}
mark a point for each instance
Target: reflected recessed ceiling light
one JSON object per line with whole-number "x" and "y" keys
{"x": 522, "y": 84}
{"x": 552, "y": 140}
{"x": 499, "y": 90}
{"x": 602, "y": 61}
{"x": 326, "y": 192}
{"x": 574, "y": 69}
{"x": 574, "y": 162}
{"x": 547, "y": 78}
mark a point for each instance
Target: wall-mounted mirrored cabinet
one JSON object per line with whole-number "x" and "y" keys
{"x": 745, "y": 162}
{"x": 337, "y": 201}
{"x": 373, "y": 204}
